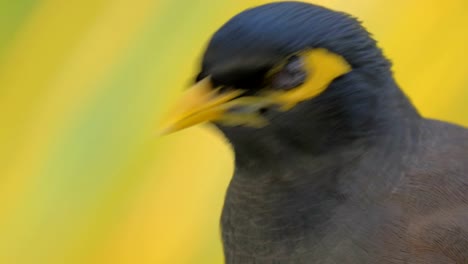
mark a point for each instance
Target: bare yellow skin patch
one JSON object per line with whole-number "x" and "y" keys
{"x": 204, "y": 103}
{"x": 322, "y": 68}
{"x": 249, "y": 116}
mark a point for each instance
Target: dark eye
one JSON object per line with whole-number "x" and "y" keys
{"x": 290, "y": 76}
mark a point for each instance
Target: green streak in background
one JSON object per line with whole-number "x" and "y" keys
{"x": 85, "y": 185}
{"x": 12, "y": 15}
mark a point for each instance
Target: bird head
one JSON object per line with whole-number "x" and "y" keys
{"x": 287, "y": 72}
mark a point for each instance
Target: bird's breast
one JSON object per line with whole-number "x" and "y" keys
{"x": 287, "y": 222}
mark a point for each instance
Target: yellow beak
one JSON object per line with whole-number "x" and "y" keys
{"x": 201, "y": 103}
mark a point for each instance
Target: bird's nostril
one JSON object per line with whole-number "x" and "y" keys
{"x": 225, "y": 89}
{"x": 263, "y": 110}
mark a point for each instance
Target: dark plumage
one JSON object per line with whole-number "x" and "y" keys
{"x": 354, "y": 175}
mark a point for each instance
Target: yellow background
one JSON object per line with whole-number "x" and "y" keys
{"x": 83, "y": 176}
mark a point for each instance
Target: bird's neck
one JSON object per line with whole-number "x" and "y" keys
{"x": 264, "y": 164}
{"x": 290, "y": 193}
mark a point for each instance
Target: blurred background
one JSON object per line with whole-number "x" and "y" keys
{"x": 84, "y": 178}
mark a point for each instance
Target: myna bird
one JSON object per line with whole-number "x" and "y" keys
{"x": 333, "y": 164}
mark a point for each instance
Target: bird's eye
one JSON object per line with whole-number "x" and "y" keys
{"x": 290, "y": 76}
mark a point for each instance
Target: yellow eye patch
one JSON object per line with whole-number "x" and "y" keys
{"x": 322, "y": 68}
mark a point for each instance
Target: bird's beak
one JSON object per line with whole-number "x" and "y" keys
{"x": 200, "y": 103}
